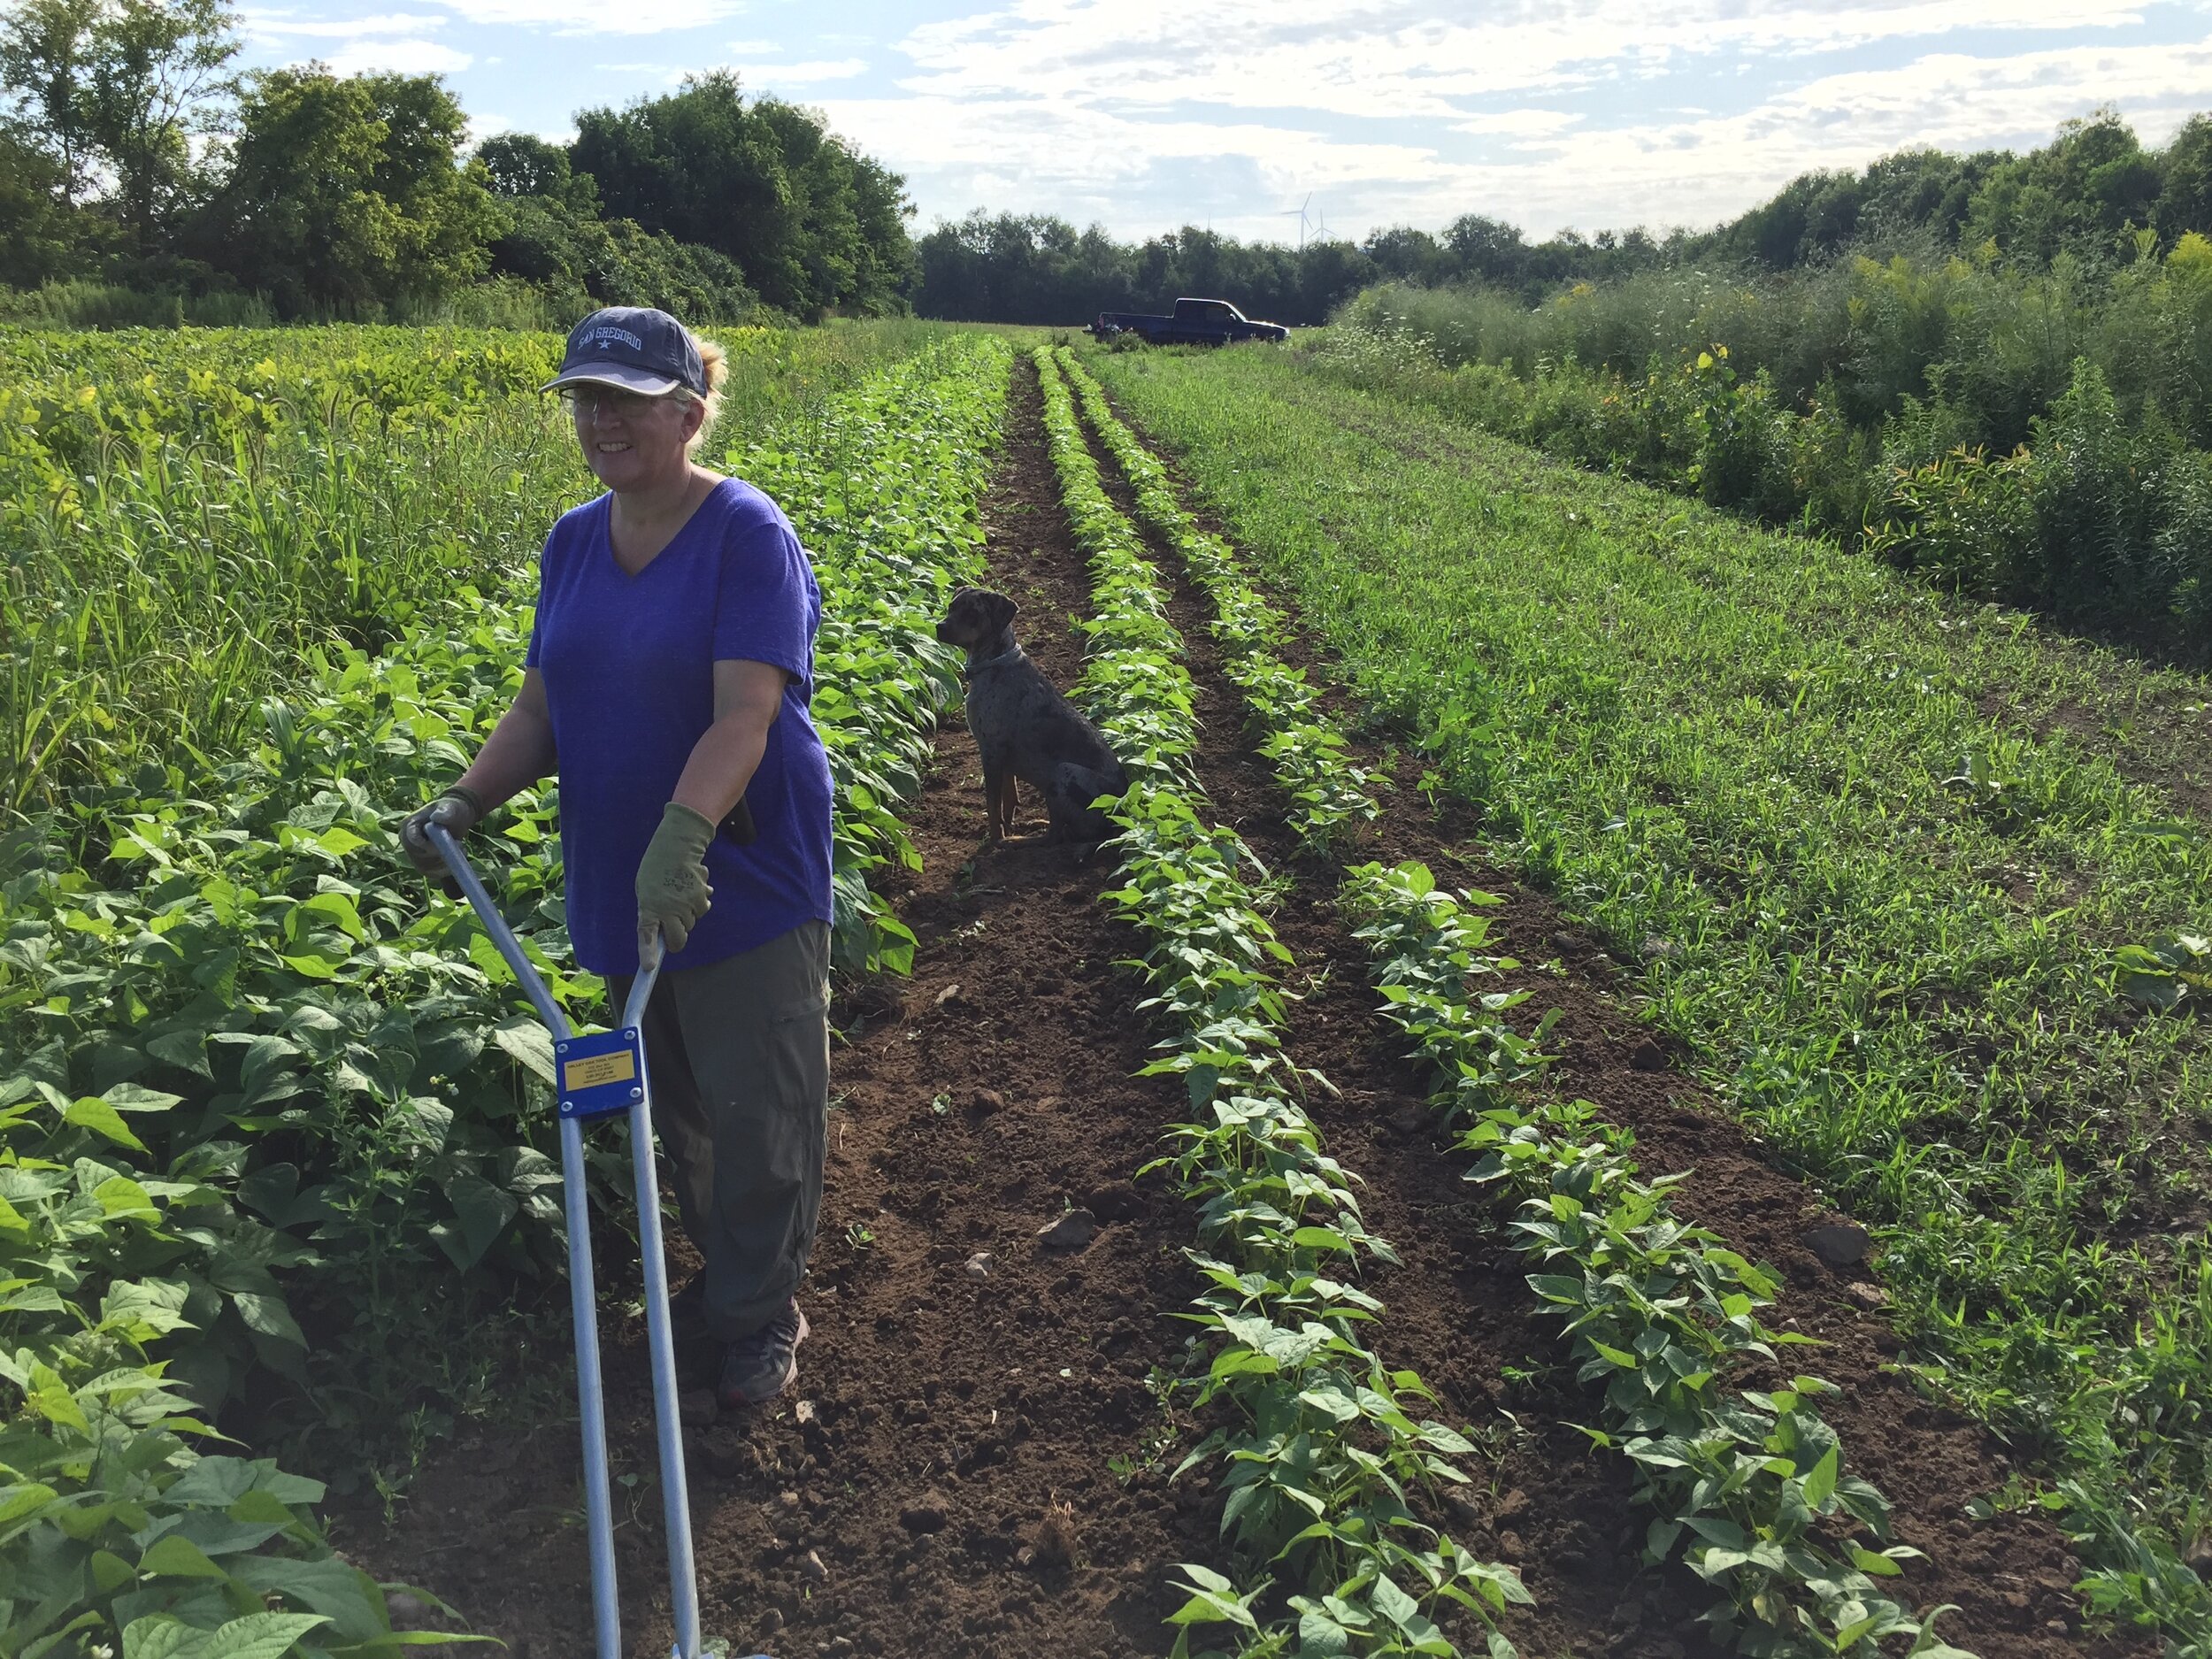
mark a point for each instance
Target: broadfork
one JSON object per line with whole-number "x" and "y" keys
{"x": 598, "y": 1075}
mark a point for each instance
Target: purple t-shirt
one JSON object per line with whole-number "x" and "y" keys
{"x": 628, "y": 662}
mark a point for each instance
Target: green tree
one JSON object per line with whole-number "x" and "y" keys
{"x": 517, "y": 165}
{"x": 348, "y": 195}
{"x": 2185, "y": 196}
{"x": 813, "y": 225}
{"x": 37, "y": 238}
{"x": 115, "y": 91}
{"x": 2076, "y": 194}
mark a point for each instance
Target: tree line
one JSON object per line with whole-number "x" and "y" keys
{"x": 133, "y": 155}
{"x": 2088, "y": 195}
{"x": 135, "y": 161}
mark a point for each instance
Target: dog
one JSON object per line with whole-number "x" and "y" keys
{"x": 1025, "y": 729}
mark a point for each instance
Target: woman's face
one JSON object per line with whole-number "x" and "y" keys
{"x": 630, "y": 441}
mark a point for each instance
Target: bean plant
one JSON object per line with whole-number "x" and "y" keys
{"x": 272, "y": 1115}
{"x": 1329, "y": 1469}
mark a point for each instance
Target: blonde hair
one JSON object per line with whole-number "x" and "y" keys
{"x": 716, "y": 362}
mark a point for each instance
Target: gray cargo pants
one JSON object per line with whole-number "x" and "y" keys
{"x": 737, "y": 1052}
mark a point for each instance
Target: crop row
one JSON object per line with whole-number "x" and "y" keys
{"x": 241, "y": 1045}
{"x": 1788, "y": 787}
{"x": 1324, "y": 1459}
{"x": 1657, "y": 1312}
{"x": 1328, "y": 791}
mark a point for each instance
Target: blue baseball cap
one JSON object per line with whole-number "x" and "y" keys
{"x": 633, "y": 347}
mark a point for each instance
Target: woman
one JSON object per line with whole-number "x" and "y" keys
{"x": 667, "y": 678}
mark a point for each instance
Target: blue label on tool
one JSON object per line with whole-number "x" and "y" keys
{"x": 601, "y": 1073}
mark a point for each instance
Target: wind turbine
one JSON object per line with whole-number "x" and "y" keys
{"x": 1301, "y": 210}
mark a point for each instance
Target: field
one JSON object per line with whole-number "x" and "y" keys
{"x": 1402, "y": 1196}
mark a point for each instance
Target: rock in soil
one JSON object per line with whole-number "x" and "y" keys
{"x": 729, "y": 1454}
{"x": 1117, "y": 1201}
{"x": 980, "y": 1264}
{"x": 927, "y": 1515}
{"x": 697, "y": 1407}
{"x": 1839, "y": 1244}
{"x": 985, "y": 1101}
{"x": 1647, "y": 1056}
{"x": 811, "y": 1565}
{"x": 1873, "y": 1298}
{"x": 1071, "y": 1231}
{"x": 409, "y": 1612}
{"x": 1410, "y": 1120}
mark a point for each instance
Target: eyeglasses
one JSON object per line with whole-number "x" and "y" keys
{"x": 610, "y": 400}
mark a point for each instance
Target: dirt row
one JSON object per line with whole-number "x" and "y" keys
{"x": 971, "y": 1463}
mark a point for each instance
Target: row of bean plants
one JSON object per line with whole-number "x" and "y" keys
{"x": 270, "y": 1112}
{"x": 1656, "y": 1311}
{"x": 1875, "y": 859}
{"x": 1324, "y": 1460}
{"x": 1330, "y": 794}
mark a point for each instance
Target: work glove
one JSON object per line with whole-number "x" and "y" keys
{"x": 672, "y": 891}
{"x": 457, "y": 810}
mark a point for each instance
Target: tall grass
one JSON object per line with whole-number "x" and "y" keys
{"x": 1875, "y": 403}
{"x": 1991, "y": 343}
{"x": 189, "y": 515}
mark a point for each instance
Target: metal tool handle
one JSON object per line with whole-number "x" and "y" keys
{"x": 582, "y": 1296}
{"x": 660, "y": 1340}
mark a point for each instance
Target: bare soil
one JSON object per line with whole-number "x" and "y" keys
{"x": 970, "y": 1465}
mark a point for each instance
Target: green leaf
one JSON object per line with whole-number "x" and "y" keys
{"x": 1820, "y": 1485}
{"x": 529, "y": 1043}
{"x": 160, "y": 1636}
{"x": 93, "y": 1113}
{"x": 134, "y": 1097}
{"x": 262, "y": 1635}
{"x": 345, "y": 1595}
{"x": 175, "y": 1557}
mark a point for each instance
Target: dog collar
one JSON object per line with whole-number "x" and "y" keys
{"x": 1006, "y": 655}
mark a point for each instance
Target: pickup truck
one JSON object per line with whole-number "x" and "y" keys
{"x": 1196, "y": 323}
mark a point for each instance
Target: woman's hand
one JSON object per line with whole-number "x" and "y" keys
{"x": 455, "y": 812}
{"x": 672, "y": 891}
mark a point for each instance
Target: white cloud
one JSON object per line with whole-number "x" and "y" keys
{"x": 1127, "y": 139}
{"x": 1698, "y": 170}
{"x": 390, "y": 41}
{"x": 1518, "y": 123}
{"x": 763, "y": 76}
{"x": 396, "y": 56}
{"x": 1399, "y": 58}
{"x": 597, "y": 17}
{"x": 278, "y": 25}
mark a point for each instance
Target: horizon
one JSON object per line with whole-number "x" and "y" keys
{"x": 1143, "y": 119}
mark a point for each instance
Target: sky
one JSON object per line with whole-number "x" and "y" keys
{"x": 1271, "y": 119}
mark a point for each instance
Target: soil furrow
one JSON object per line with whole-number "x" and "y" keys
{"x": 901, "y": 1510}
{"x": 1459, "y": 1310}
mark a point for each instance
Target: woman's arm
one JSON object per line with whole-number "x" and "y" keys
{"x": 520, "y": 751}
{"x": 747, "y": 696}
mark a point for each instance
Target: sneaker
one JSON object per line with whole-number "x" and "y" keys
{"x": 757, "y": 1368}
